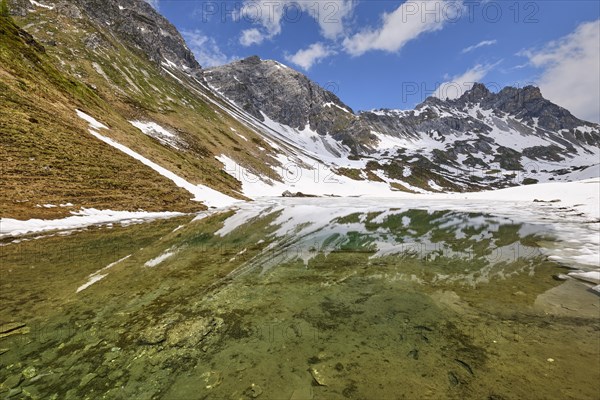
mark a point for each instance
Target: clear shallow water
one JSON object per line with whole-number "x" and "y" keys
{"x": 303, "y": 300}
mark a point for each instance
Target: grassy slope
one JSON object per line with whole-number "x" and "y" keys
{"x": 49, "y": 157}
{"x": 47, "y": 154}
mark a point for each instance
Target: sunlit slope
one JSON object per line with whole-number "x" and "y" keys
{"x": 49, "y": 157}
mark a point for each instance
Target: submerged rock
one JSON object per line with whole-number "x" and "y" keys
{"x": 14, "y": 392}
{"x": 213, "y": 379}
{"x": 190, "y": 333}
{"x": 29, "y": 372}
{"x": 453, "y": 378}
{"x": 253, "y": 391}
{"x": 318, "y": 376}
{"x": 153, "y": 335}
{"x": 13, "y": 328}
{"x": 414, "y": 354}
{"x": 12, "y": 381}
{"x": 87, "y": 379}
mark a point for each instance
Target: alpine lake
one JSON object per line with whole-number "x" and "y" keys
{"x": 298, "y": 299}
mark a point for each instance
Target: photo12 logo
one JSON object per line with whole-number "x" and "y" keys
{"x": 334, "y": 11}
{"x": 273, "y": 12}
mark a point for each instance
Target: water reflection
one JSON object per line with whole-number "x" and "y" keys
{"x": 450, "y": 245}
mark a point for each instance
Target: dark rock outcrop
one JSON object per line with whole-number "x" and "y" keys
{"x": 134, "y": 22}
{"x": 137, "y": 23}
{"x": 268, "y": 88}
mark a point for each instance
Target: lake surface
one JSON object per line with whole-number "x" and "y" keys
{"x": 302, "y": 299}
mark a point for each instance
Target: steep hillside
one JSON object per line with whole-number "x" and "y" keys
{"x": 48, "y": 157}
{"x": 56, "y": 59}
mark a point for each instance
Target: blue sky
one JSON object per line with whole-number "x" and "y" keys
{"x": 393, "y": 54}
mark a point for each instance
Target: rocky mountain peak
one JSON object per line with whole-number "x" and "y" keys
{"x": 251, "y": 60}
{"x": 528, "y": 103}
{"x": 525, "y": 103}
{"x": 521, "y": 95}
{"x": 134, "y": 22}
{"x": 138, "y": 23}
{"x": 476, "y": 94}
{"x": 279, "y": 92}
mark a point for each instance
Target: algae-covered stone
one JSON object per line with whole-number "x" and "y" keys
{"x": 303, "y": 393}
{"x": 212, "y": 379}
{"x": 12, "y": 381}
{"x": 13, "y": 392}
{"x": 190, "y": 333}
{"x": 153, "y": 335}
{"x": 29, "y": 372}
{"x": 87, "y": 379}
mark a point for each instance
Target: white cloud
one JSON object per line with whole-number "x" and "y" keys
{"x": 406, "y": 23}
{"x": 478, "y": 45}
{"x": 205, "y": 49}
{"x": 265, "y": 13}
{"x": 571, "y": 70}
{"x": 455, "y": 87}
{"x": 269, "y": 16}
{"x": 153, "y": 3}
{"x": 252, "y": 36}
{"x": 331, "y": 16}
{"x": 306, "y": 58}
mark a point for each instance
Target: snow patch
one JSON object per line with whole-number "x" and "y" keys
{"x": 94, "y": 124}
{"x": 97, "y": 276}
{"x": 158, "y": 260}
{"x": 156, "y": 131}
{"x": 210, "y": 197}
{"x": 79, "y": 219}
{"x": 37, "y": 4}
{"x": 202, "y": 193}
{"x": 590, "y": 276}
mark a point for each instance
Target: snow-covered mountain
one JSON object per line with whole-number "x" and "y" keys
{"x": 480, "y": 140}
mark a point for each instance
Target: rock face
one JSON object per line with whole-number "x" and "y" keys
{"x": 137, "y": 22}
{"x": 526, "y": 103}
{"x": 466, "y": 115}
{"x": 282, "y": 94}
{"x": 19, "y": 8}
{"x": 268, "y": 88}
{"x": 134, "y": 22}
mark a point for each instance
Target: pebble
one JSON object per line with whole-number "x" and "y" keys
{"x": 550, "y": 360}
{"x": 453, "y": 378}
{"x": 254, "y": 391}
{"x": 414, "y": 354}
{"x": 318, "y": 377}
